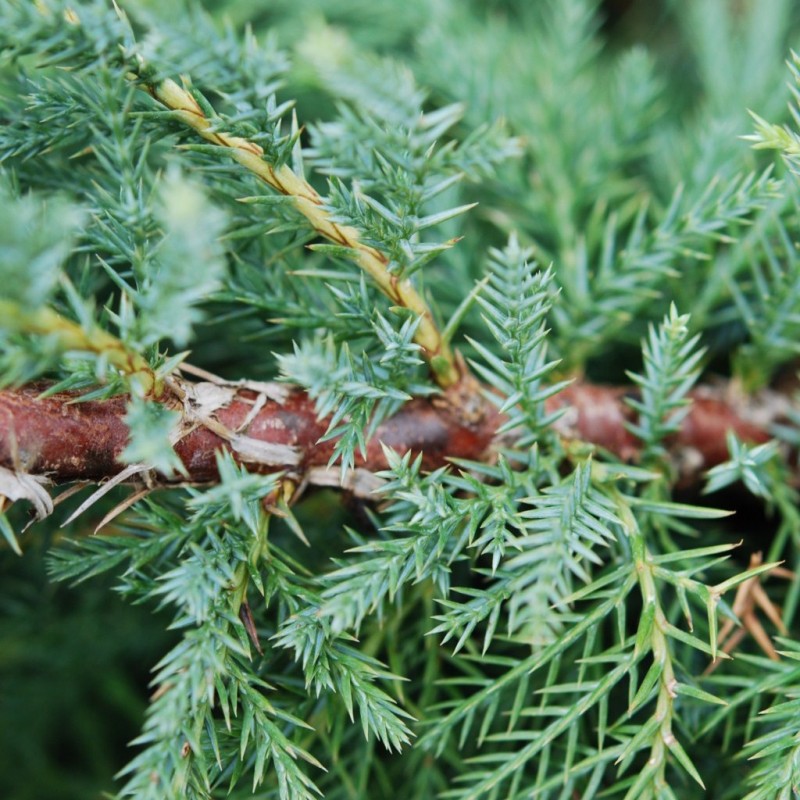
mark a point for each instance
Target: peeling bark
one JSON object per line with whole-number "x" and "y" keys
{"x": 65, "y": 441}
{"x": 69, "y": 441}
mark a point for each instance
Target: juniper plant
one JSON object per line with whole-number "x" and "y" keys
{"x": 241, "y": 265}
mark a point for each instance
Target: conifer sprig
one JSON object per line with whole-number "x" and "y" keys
{"x": 516, "y": 302}
{"x": 276, "y": 173}
{"x": 671, "y": 369}
{"x": 269, "y": 157}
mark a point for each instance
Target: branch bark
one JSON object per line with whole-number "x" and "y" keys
{"x": 273, "y": 427}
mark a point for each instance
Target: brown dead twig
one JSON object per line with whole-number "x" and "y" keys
{"x": 750, "y": 597}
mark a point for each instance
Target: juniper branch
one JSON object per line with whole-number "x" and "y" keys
{"x": 308, "y": 202}
{"x": 273, "y": 427}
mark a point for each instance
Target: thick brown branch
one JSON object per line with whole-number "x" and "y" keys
{"x": 68, "y": 441}
{"x": 598, "y": 415}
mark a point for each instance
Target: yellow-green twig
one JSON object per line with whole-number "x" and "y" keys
{"x": 71, "y": 336}
{"x": 284, "y": 180}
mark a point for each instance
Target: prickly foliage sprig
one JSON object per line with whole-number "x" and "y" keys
{"x": 210, "y": 671}
{"x": 357, "y": 393}
{"x": 516, "y": 300}
{"x": 671, "y": 360}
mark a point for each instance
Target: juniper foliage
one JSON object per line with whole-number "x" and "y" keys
{"x": 539, "y": 626}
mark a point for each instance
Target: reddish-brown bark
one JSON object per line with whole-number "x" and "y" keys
{"x": 69, "y": 441}
{"x": 599, "y": 415}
